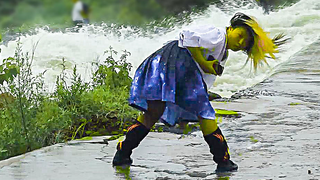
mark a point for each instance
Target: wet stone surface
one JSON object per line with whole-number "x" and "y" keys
{"x": 277, "y": 136}
{"x": 272, "y": 140}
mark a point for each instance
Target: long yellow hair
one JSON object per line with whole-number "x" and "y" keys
{"x": 263, "y": 46}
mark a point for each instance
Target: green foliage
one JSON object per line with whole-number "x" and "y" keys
{"x": 98, "y": 107}
{"x": 12, "y": 140}
{"x": 178, "y": 6}
{"x": 68, "y": 97}
{"x": 29, "y": 121}
{"x": 31, "y": 118}
{"x": 107, "y": 110}
{"x": 24, "y": 14}
{"x": 50, "y": 123}
{"x": 113, "y": 74}
{"x": 294, "y": 104}
{"x": 8, "y": 69}
{"x": 252, "y": 139}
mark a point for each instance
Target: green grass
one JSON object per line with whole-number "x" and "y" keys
{"x": 31, "y": 118}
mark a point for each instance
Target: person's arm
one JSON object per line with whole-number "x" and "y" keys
{"x": 206, "y": 66}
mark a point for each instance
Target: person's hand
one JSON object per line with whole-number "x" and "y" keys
{"x": 208, "y": 67}
{"x": 216, "y": 66}
{"x": 213, "y": 67}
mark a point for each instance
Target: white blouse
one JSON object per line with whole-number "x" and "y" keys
{"x": 76, "y": 11}
{"x": 213, "y": 42}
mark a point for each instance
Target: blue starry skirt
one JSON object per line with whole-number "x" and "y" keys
{"x": 171, "y": 75}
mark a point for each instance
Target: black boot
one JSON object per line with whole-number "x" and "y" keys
{"x": 121, "y": 157}
{"x": 136, "y": 133}
{"x": 219, "y": 148}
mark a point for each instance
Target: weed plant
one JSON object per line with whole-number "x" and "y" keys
{"x": 31, "y": 118}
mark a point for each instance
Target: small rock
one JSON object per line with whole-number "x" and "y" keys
{"x": 282, "y": 176}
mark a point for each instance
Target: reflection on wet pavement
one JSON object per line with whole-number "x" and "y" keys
{"x": 277, "y": 136}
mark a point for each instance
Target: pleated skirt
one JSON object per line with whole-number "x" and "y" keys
{"x": 171, "y": 75}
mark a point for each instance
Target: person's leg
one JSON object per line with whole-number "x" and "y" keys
{"x": 217, "y": 144}
{"x": 153, "y": 114}
{"x": 137, "y": 132}
{"x": 183, "y": 124}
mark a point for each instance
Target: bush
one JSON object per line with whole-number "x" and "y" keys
{"x": 31, "y": 118}
{"x": 99, "y": 107}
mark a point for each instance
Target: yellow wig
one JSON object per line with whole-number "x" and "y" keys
{"x": 262, "y": 46}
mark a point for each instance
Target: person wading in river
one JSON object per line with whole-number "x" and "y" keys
{"x": 171, "y": 83}
{"x": 80, "y": 13}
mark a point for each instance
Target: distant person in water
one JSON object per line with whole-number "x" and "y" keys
{"x": 171, "y": 84}
{"x": 80, "y": 13}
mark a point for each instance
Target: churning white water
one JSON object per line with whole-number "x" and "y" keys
{"x": 301, "y": 22}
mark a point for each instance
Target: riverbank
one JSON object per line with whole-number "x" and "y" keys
{"x": 272, "y": 140}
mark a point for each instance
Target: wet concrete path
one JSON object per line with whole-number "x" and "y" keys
{"x": 276, "y": 138}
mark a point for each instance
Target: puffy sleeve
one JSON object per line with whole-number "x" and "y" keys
{"x": 208, "y": 37}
